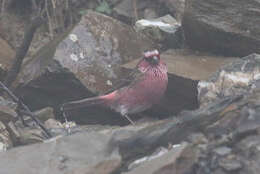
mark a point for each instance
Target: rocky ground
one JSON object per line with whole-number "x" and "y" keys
{"x": 208, "y": 121}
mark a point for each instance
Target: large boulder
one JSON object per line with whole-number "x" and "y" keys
{"x": 78, "y": 154}
{"x": 6, "y": 57}
{"x": 223, "y": 27}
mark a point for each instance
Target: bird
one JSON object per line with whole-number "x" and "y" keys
{"x": 143, "y": 88}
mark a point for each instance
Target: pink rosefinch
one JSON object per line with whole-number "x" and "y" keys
{"x": 146, "y": 87}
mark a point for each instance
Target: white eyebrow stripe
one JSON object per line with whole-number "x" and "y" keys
{"x": 151, "y": 53}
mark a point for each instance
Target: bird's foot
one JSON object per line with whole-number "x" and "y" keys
{"x": 129, "y": 119}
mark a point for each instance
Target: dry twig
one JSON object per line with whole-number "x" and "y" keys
{"x": 25, "y": 108}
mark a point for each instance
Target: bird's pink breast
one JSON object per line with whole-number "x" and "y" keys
{"x": 143, "y": 94}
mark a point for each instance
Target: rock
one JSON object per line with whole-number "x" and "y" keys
{"x": 7, "y": 110}
{"x": 150, "y": 13}
{"x": 29, "y": 135}
{"x": 96, "y": 64}
{"x": 52, "y": 124}
{"x": 234, "y": 78}
{"x": 223, "y": 27}
{"x": 6, "y": 57}
{"x": 230, "y": 164}
{"x": 8, "y": 103}
{"x": 234, "y": 117}
{"x": 238, "y": 134}
{"x": 161, "y": 162}
{"x": 125, "y": 10}
{"x": 5, "y": 139}
{"x": 24, "y": 135}
{"x": 86, "y": 60}
{"x": 14, "y": 133}
{"x": 45, "y": 114}
{"x": 176, "y": 7}
{"x": 222, "y": 151}
{"x": 165, "y": 30}
{"x": 169, "y": 131}
{"x": 42, "y": 114}
{"x": 156, "y": 154}
{"x": 249, "y": 147}
{"x": 7, "y": 114}
{"x": 77, "y": 154}
{"x": 198, "y": 138}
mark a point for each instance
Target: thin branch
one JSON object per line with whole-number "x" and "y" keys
{"x": 3, "y": 8}
{"x": 49, "y": 20}
{"x": 34, "y": 5}
{"x": 135, "y": 10}
{"x": 25, "y": 108}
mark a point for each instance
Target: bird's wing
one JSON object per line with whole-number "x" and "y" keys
{"x": 132, "y": 77}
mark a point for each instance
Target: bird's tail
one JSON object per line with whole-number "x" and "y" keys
{"x": 100, "y": 100}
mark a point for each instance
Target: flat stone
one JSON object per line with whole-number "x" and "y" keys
{"x": 230, "y": 164}
{"x": 222, "y": 151}
{"x": 159, "y": 162}
{"x": 82, "y": 153}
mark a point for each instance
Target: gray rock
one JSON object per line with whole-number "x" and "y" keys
{"x": 150, "y": 13}
{"x": 223, "y": 27}
{"x": 77, "y": 154}
{"x": 156, "y": 163}
{"x": 222, "y": 151}
{"x": 176, "y": 7}
{"x": 230, "y": 164}
{"x": 5, "y": 138}
{"x": 125, "y": 8}
{"x": 6, "y": 57}
{"x": 249, "y": 147}
{"x": 7, "y": 114}
{"x": 45, "y": 114}
{"x": 234, "y": 78}
{"x": 198, "y": 138}
{"x": 9, "y": 103}
{"x": 165, "y": 30}
{"x": 96, "y": 46}
{"x": 7, "y": 111}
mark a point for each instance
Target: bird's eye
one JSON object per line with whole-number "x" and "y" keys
{"x": 155, "y": 58}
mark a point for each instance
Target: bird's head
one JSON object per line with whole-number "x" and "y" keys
{"x": 152, "y": 57}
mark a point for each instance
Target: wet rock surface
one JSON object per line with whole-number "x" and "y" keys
{"x": 223, "y": 27}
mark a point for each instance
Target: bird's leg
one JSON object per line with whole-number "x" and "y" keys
{"x": 67, "y": 125}
{"x": 129, "y": 119}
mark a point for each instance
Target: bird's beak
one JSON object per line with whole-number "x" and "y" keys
{"x": 155, "y": 60}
